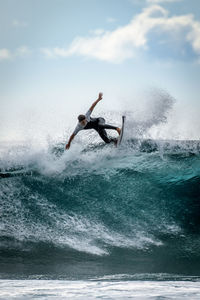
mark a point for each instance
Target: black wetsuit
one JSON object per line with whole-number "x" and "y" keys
{"x": 99, "y": 125}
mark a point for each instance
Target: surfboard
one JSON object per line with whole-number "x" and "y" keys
{"x": 122, "y": 132}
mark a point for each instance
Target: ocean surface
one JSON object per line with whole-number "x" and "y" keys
{"x": 100, "y": 222}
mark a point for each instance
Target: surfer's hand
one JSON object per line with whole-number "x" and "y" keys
{"x": 67, "y": 147}
{"x": 100, "y": 96}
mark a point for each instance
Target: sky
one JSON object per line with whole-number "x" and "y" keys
{"x": 57, "y": 55}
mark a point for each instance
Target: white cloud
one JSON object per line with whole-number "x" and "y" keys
{"x": 124, "y": 42}
{"x": 111, "y": 20}
{"x": 17, "y": 23}
{"x": 194, "y": 36}
{"x": 97, "y": 31}
{"x": 23, "y": 51}
{"x": 5, "y": 54}
{"x": 55, "y": 52}
{"x": 48, "y": 53}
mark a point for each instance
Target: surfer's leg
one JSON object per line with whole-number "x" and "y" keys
{"x": 103, "y": 135}
{"x": 106, "y": 126}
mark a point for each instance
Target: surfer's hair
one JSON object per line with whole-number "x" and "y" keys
{"x": 81, "y": 118}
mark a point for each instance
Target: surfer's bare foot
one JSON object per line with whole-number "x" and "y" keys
{"x": 115, "y": 142}
{"x": 118, "y": 130}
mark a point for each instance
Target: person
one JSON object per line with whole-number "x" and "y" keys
{"x": 86, "y": 122}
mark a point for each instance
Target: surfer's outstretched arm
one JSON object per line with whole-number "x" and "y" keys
{"x": 95, "y": 103}
{"x": 69, "y": 142}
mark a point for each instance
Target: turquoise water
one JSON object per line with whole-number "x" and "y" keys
{"x": 100, "y": 211}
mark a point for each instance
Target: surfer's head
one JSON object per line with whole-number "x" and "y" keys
{"x": 82, "y": 119}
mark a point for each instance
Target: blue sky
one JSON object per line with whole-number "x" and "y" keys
{"x": 56, "y": 55}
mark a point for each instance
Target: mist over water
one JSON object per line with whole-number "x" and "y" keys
{"x": 153, "y": 113}
{"x": 97, "y": 210}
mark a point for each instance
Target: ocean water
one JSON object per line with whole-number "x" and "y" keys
{"x": 100, "y": 222}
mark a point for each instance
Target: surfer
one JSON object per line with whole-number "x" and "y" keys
{"x": 98, "y": 124}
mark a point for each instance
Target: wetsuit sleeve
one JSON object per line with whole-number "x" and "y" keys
{"x": 77, "y": 129}
{"x": 87, "y": 115}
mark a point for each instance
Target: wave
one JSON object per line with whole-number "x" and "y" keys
{"x": 99, "y": 204}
